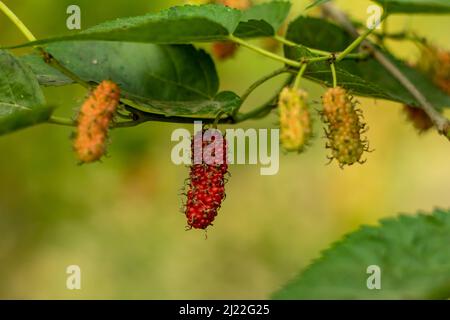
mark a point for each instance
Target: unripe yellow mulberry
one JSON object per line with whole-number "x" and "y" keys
{"x": 344, "y": 127}
{"x": 295, "y": 120}
{"x": 94, "y": 120}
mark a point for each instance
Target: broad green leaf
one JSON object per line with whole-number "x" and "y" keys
{"x": 411, "y": 252}
{"x": 177, "y": 25}
{"x": 364, "y": 78}
{"x": 316, "y": 3}
{"x": 46, "y": 75}
{"x": 173, "y": 80}
{"x": 263, "y": 20}
{"x": 186, "y": 24}
{"x": 415, "y": 6}
{"x": 22, "y": 103}
{"x": 225, "y": 102}
{"x": 13, "y": 117}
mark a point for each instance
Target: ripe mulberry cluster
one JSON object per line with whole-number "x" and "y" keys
{"x": 295, "y": 120}
{"x": 206, "y": 186}
{"x": 94, "y": 120}
{"x": 344, "y": 127}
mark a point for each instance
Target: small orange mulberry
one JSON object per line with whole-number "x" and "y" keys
{"x": 344, "y": 127}
{"x": 198, "y": 2}
{"x": 435, "y": 62}
{"x": 442, "y": 77}
{"x": 236, "y": 4}
{"x": 224, "y": 50}
{"x": 94, "y": 120}
{"x": 295, "y": 120}
{"x": 419, "y": 119}
{"x": 227, "y": 49}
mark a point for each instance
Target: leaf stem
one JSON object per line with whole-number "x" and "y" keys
{"x": 263, "y": 52}
{"x": 61, "y": 121}
{"x": 355, "y": 44}
{"x": 261, "y": 81}
{"x": 51, "y": 61}
{"x": 293, "y": 44}
{"x": 299, "y": 76}
{"x": 265, "y": 109}
{"x": 142, "y": 117}
{"x": 333, "y": 72}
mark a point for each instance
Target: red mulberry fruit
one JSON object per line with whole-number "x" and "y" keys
{"x": 206, "y": 186}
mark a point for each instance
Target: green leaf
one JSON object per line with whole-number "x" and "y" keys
{"x": 225, "y": 102}
{"x": 186, "y": 24}
{"x": 365, "y": 78}
{"x": 263, "y": 20}
{"x": 46, "y": 75}
{"x": 316, "y": 3}
{"x": 177, "y": 25}
{"x": 411, "y": 252}
{"x": 173, "y": 80}
{"x": 415, "y": 6}
{"x": 22, "y": 103}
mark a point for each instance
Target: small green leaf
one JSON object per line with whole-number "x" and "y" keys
{"x": 411, "y": 252}
{"x": 22, "y": 103}
{"x": 415, "y": 6}
{"x": 263, "y": 20}
{"x": 364, "y": 78}
{"x": 14, "y": 117}
{"x": 176, "y": 80}
{"x": 316, "y": 3}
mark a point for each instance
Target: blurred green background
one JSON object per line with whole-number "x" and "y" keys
{"x": 120, "y": 222}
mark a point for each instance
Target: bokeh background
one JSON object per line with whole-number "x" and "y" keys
{"x": 119, "y": 220}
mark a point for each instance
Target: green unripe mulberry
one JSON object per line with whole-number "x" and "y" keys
{"x": 295, "y": 120}
{"x": 344, "y": 127}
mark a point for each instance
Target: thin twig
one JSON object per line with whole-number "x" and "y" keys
{"x": 263, "y": 52}
{"x": 261, "y": 81}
